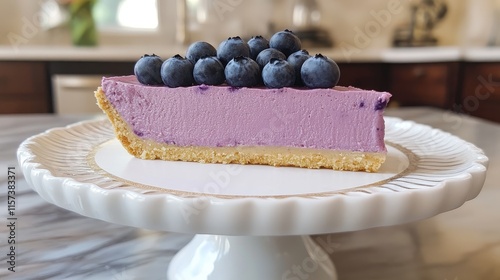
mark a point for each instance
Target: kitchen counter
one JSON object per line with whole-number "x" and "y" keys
{"x": 53, "y": 243}
{"x": 70, "y": 53}
{"x": 340, "y": 54}
{"x": 482, "y": 54}
{"x": 443, "y": 77}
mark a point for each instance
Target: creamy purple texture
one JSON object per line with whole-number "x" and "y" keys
{"x": 222, "y": 116}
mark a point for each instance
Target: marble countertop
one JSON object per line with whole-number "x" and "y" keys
{"x": 53, "y": 243}
{"x": 340, "y": 54}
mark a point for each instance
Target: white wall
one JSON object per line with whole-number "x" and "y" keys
{"x": 22, "y": 19}
{"x": 346, "y": 17}
{"x": 11, "y": 16}
{"x": 249, "y": 17}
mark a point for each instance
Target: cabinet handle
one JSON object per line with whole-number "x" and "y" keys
{"x": 73, "y": 82}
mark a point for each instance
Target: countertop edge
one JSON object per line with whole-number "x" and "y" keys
{"x": 341, "y": 55}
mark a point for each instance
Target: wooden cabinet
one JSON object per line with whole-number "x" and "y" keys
{"x": 471, "y": 88}
{"x": 364, "y": 75}
{"x": 107, "y": 68}
{"x": 411, "y": 84}
{"x": 424, "y": 84}
{"x": 480, "y": 95}
{"x": 24, "y": 88}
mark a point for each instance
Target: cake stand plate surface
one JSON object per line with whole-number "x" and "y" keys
{"x": 247, "y": 216}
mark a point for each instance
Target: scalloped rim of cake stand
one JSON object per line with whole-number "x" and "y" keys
{"x": 443, "y": 172}
{"x": 449, "y": 171}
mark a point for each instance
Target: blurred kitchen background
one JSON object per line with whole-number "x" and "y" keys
{"x": 439, "y": 53}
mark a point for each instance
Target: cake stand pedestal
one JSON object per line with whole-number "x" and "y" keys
{"x": 243, "y": 257}
{"x": 252, "y": 222}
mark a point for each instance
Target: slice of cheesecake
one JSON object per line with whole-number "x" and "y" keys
{"x": 340, "y": 128}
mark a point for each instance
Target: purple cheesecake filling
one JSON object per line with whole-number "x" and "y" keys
{"x": 221, "y": 116}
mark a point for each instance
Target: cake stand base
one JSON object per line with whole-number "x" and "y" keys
{"x": 209, "y": 257}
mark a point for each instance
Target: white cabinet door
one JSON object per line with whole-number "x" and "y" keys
{"x": 74, "y": 94}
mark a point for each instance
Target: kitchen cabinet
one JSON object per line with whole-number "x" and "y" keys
{"x": 480, "y": 95}
{"x": 468, "y": 87}
{"x": 24, "y": 88}
{"x": 411, "y": 84}
{"x": 74, "y": 83}
{"x": 364, "y": 75}
{"x": 108, "y": 68}
{"x": 424, "y": 84}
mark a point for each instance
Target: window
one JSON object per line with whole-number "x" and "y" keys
{"x": 126, "y": 14}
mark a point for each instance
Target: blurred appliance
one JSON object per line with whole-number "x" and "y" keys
{"x": 425, "y": 15}
{"x": 214, "y": 20}
{"x": 74, "y": 94}
{"x": 494, "y": 38}
{"x": 306, "y": 19}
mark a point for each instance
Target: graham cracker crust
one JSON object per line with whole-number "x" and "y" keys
{"x": 275, "y": 156}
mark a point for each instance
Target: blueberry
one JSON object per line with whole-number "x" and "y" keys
{"x": 208, "y": 71}
{"x": 242, "y": 72}
{"x": 381, "y": 104}
{"x": 177, "y": 72}
{"x": 266, "y": 55}
{"x": 256, "y": 45}
{"x": 231, "y": 48}
{"x": 286, "y": 42}
{"x": 296, "y": 59}
{"x": 278, "y": 73}
{"x": 320, "y": 72}
{"x": 198, "y": 50}
{"x": 147, "y": 70}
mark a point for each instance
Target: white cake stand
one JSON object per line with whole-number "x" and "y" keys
{"x": 252, "y": 222}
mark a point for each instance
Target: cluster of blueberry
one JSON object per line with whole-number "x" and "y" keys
{"x": 277, "y": 63}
